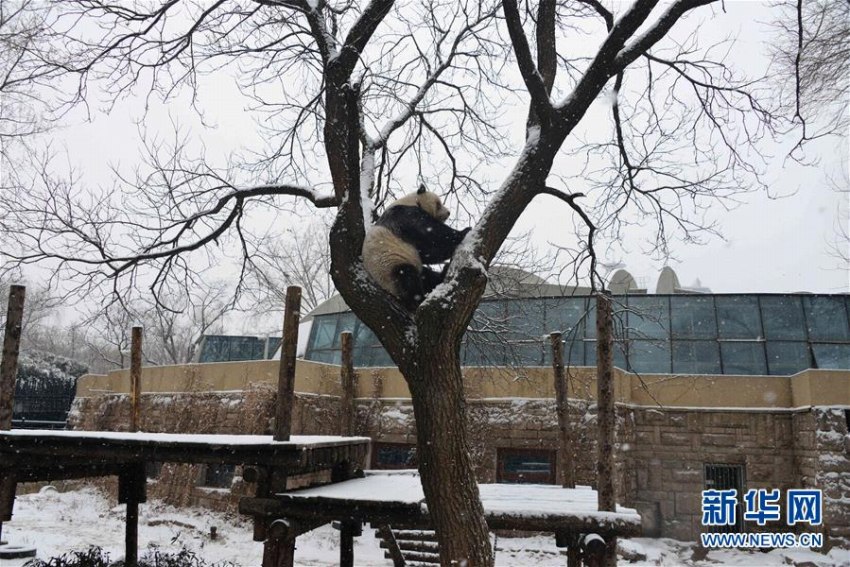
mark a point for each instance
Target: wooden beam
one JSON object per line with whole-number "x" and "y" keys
{"x": 566, "y": 446}
{"x": 387, "y": 536}
{"x": 46, "y": 454}
{"x": 65, "y": 472}
{"x": 606, "y": 417}
{"x": 135, "y": 378}
{"x": 11, "y": 348}
{"x": 410, "y": 515}
{"x": 347, "y": 378}
{"x": 286, "y": 376}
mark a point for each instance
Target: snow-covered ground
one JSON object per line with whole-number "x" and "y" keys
{"x": 56, "y": 523}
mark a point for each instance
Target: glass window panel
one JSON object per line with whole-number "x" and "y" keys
{"x": 696, "y": 357}
{"x": 346, "y": 322}
{"x": 618, "y": 314}
{"x": 590, "y": 320}
{"x": 362, "y": 356}
{"x": 565, "y": 315}
{"x": 619, "y": 354}
{"x": 365, "y": 337}
{"x": 649, "y": 317}
{"x": 484, "y": 349}
{"x": 692, "y": 317}
{"x": 573, "y": 352}
{"x": 738, "y": 317}
{"x": 324, "y": 329}
{"x": 786, "y": 358}
{"x": 649, "y": 356}
{"x": 524, "y": 319}
{"x": 832, "y": 356}
{"x": 326, "y": 356}
{"x": 274, "y": 344}
{"x": 380, "y": 357}
{"x": 215, "y": 349}
{"x": 783, "y": 317}
{"x": 742, "y": 357}
{"x": 826, "y": 318}
{"x": 245, "y": 348}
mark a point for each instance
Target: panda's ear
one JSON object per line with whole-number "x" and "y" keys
{"x": 421, "y": 189}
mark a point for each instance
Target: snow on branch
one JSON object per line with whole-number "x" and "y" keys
{"x": 530, "y": 74}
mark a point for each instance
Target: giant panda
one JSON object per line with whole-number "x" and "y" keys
{"x": 409, "y": 234}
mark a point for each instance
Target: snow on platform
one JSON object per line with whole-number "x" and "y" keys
{"x": 514, "y": 504}
{"x": 183, "y": 438}
{"x": 46, "y": 454}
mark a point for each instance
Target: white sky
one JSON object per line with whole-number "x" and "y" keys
{"x": 771, "y": 244}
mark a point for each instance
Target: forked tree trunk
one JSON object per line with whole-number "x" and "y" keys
{"x": 445, "y": 465}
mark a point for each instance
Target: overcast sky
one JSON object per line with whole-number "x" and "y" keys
{"x": 773, "y": 243}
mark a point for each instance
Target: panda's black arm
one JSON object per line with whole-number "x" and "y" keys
{"x": 435, "y": 241}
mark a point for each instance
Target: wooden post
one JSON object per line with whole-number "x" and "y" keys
{"x": 8, "y": 375}
{"x": 570, "y": 540}
{"x": 347, "y": 531}
{"x": 135, "y": 378}
{"x": 286, "y": 378}
{"x": 348, "y": 382}
{"x": 132, "y": 487}
{"x": 279, "y": 548}
{"x": 11, "y": 348}
{"x": 566, "y": 447}
{"x": 606, "y": 418}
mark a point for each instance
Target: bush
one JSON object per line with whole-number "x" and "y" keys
{"x": 92, "y": 557}
{"x": 96, "y": 557}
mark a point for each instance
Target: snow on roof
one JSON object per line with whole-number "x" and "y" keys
{"x": 518, "y": 500}
{"x": 208, "y": 439}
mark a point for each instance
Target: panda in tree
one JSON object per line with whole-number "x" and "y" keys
{"x": 409, "y": 234}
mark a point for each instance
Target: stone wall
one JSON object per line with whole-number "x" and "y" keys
{"x": 672, "y": 447}
{"x": 823, "y": 446}
{"x": 661, "y": 453}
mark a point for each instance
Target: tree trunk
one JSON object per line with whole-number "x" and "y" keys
{"x": 445, "y": 464}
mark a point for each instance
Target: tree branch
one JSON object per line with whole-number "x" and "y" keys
{"x": 645, "y": 42}
{"x": 534, "y": 81}
{"x": 359, "y": 35}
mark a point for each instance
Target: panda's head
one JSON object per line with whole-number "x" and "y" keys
{"x": 427, "y": 201}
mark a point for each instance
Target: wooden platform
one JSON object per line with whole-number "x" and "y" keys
{"x": 53, "y": 455}
{"x": 397, "y": 499}
{"x": 36, "y": 455}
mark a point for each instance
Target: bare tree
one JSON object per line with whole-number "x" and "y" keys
{"x": 174, "y": 335}
{"x": 106, "y": 335}
{"x": 813, "y": 48}
{"x": 381, "y": 92}
{"x": 298, "y": 257}
{"x": 39, "y": 315}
